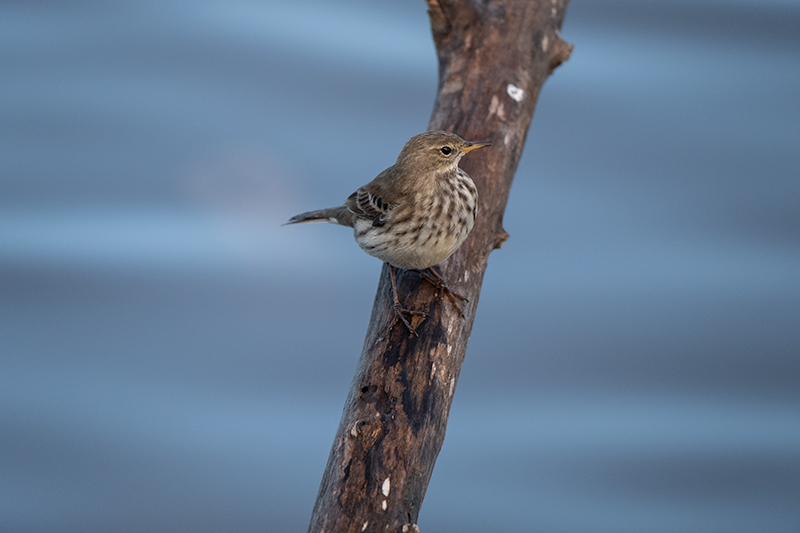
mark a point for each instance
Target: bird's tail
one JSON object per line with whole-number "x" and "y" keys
{"x": 335, "y": 215}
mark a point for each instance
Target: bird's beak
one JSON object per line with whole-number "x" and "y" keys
{"x": 474, "y": 146}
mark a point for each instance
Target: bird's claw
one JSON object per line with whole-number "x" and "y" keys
{"x": 398, "y": 315}
{"x": 438, "y": 283}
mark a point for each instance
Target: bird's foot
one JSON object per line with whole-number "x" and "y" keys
{"x": 398, "y": 315}
{"x": 435, "y": 279}
{"x": 399, "y": 310}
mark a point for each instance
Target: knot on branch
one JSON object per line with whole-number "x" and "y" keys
{"x": 440, "y": 21}
{"x": 560, "y": 52}
{"x": 365, "y": 426}
{"x": 500, "y": 238}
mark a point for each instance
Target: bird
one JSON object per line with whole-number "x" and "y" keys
{"x": 415, "y": 214}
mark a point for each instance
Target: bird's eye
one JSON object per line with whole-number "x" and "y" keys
{"x": 446, "y": 150}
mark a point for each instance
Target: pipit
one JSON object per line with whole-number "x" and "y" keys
{"x": 415, "y": 214}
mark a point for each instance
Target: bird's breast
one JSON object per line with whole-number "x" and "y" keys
{"x": 425, "y": 230}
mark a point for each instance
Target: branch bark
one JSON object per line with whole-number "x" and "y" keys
{"x": 494, "y": 56}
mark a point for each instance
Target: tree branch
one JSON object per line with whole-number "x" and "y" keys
{"x": 494, "y": 57}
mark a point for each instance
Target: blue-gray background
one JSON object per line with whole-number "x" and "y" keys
{"x": 174, "y": 360}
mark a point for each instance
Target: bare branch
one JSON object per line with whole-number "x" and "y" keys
{"x": 494, "y": 57}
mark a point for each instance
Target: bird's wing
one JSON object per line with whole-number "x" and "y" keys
{"x": 373, "y": 200}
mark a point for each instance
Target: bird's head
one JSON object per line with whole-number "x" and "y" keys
{"x": 434, "y": 152}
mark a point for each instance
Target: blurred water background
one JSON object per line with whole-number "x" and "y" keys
{"x": 171, "y": 359}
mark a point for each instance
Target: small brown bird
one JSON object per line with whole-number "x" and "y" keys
{"x": 416, "y": 213}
